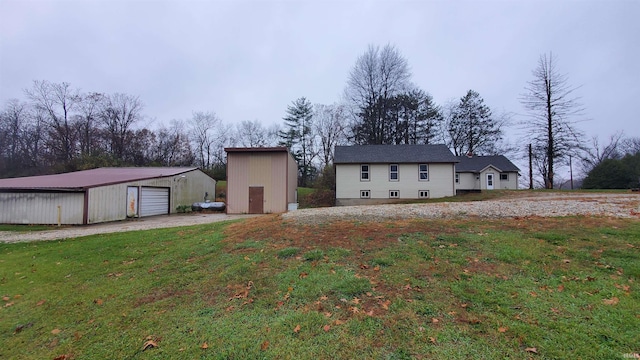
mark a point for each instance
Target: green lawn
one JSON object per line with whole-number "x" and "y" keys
{"x": 265, "y": 289}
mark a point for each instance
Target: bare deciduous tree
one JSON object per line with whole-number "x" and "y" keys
{"x": 631, "y": 146}
{"x": 376, "y": 78}
{"x": 57, "y": 102}
{"x": 551, "y": 124}
{"x": 121, "y": 113}
{"x": 330, "y": 124}
{"x": 206, "y": 131}
{"x": 91, "y": 108}
{"x": 251, "y": 134}
{"x": 596, "y": 154}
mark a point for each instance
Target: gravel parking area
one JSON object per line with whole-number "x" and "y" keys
{"x": 153, "y": 222}
{"x": 531, "y": 204}
{"x": 528, "y": 204}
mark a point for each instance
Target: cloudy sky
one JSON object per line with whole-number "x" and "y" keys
{"x": 247, "y": 60}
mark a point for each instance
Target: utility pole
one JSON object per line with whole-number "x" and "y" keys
{"x": 571, "y": 172}
{"x": 530, "y": 168}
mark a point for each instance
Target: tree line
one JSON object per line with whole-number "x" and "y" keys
{"x": 58, "y": 128}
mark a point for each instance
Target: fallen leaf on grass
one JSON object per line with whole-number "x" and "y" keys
{"x": 62, "y": 357}
{"x": 149, "y": 344}
{"x": 531, "y": 350}
{"x": 204, "y": 346}
{"x": 561, "y": 288}
{"x": 6, "y": 298}
{"x": 432, "y": 340}
{"x": 434, "y": 321}
{"x": 41, "y": 302}
{"x": 264, "y": 345}
{"x": 296, "y": 329}
{"x": 566, "y": 261}
{"x": 613, "y": 301}
{"x": 326, "y": 328}
{"x": 19, "y": 328}
{"x": 98, "y": 301}
{"x": 8, "y": 304}
{"x": 56, "y": 331}
{"x": 303, "y": 275}
{"x": 503, "y": 329}
{"x": 626, "y": 288}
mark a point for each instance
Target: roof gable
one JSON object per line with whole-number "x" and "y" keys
{"x": 393, "y": 154}
{"x": 479, "y": 163}
{"x": 91, "y": 178}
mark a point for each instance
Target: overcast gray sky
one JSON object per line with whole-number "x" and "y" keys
{"x": 248, "y": 60}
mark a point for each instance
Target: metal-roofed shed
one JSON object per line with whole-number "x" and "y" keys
{"x": 101, "y": 195}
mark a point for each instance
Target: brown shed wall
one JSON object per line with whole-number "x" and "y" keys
{"x": 270, "y": 170}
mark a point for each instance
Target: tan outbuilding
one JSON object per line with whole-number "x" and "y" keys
{"x": 102, "y": 195}
{"x": 261, "y": 180}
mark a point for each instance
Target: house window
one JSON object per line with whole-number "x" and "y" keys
{"x": 393, "y": 172}
{"x": 504, "y": 176}
{"x": 457, "y": 178}
{"x": 423, "y": 194}
{"x": 365, "y": 194}
{"x": 364, "y": 172}
{"x": 423, "y": 173}
{"x": 394, "y": 194}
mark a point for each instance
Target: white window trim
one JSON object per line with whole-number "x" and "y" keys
{"x": 367, "y": 196}
{"x": 368, "y": 172}
{"x": 457, "y": 178}
{"x": 397, "y": 172}
{"x": 506, "y": 175}
{"x": 423, "y": 191}
{"x": 394, "y": 197}
{"x": 420, "y": 172}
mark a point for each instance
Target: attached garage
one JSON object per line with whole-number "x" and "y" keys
{"x": 101, "y": 195}
{"x": 154, "y": 201}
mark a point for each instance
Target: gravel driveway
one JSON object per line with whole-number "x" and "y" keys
{"x": 153, "y": 222}
{"x": 518, "y": 205}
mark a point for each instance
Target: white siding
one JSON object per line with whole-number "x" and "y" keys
{"x": 468, "y": 181}
{"x": 348, "y": 183}
{"x": 109, "y": 203}
{"x": 41, "y": 208}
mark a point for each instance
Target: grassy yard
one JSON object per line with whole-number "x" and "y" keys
{"x": 265, "y": 289}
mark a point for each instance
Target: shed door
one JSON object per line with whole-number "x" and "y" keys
{"x": 154, "y": 201}
{"x": 256, "y": 200}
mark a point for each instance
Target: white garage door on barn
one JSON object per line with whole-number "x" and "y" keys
{"x": 154, "y": 201}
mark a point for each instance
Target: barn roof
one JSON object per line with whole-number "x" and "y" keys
{"x": 479, "y": 163}
{"x": 85, "y": 179}
{"x": 432, "y": 153}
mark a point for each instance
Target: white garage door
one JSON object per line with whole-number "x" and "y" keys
{"x": 154, "y": 201}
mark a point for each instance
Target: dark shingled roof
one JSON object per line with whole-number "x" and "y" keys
{"x": 478, "y": 163}
{"x": 393, "y": 154}
{"x": 81, "y": 180}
